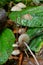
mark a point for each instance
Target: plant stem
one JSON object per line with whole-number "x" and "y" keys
{"x": 31, "y": 53}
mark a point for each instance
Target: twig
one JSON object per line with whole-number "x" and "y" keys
{"x": 26, "y": 54}
{"x": 20, "y": 59}
{"x": 31, "y": 53}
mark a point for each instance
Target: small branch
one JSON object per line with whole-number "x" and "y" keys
{"x": 26, "y": 54}
{"x": 31, "y": 53}
{"x": 20, "y": 59}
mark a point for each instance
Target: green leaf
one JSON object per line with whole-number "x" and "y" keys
{"x": 37, "y": 43}
{"x": 7, "y": 38}
{"x": 36, "y": 13}
{"x": 3, "y": 2}
{"x": 17, "y": 0}
{"x": 33, "y": 31}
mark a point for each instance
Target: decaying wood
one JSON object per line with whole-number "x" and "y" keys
{"x": 19, "y": 30}
{"x": 13, "y": 57}
{"x": 20, "y": 59}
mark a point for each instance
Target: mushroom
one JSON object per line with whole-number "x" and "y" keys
{"x": 27, "y": 17}
{"x": 16, "y": 8}
{"x": 23, "y": 40}
{"x": 16, "y": 52}
{"x": 15, "y": 45}
{"x": 21, "y": 5}
{"x": 21, "y": 30}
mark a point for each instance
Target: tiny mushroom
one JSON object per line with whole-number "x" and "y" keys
{"x": 16, "y": 8}
{"x": 23, "y": 38}
{"x": 21, "y": 31}
{"x": 27, "y": 17}
{"x": 15, "y": 45}
{"x": 16, "y": 52}
{"x": 21, "y": 5}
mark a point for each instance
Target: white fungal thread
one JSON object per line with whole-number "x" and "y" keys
{"x": 31, "y": 53}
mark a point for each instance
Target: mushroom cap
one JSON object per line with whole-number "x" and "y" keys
{"x": 21, "y": 31}
{"x": 21, "y": 5}
{"x": 23, "y": 38}
{"x": 27, "y": 17}
{"x": 16, "y": 8}
{"x": 16, "y": 52}
{"x": 14, "y": 45}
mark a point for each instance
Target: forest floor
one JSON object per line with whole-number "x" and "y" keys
{"x": 31, "y": 61}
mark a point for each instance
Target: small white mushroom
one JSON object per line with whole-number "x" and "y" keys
{"x": 27, "y": 17}
{"x": 15, "y": 45}
{"x": 21, "y": 31}
{"x": 16, "y": 8}
{"x": 21, "y": 5}
{"x": 16, "y": 52}
{"x": 23, "y": 38}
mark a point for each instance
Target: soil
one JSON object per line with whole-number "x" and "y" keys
{"x": 31, "y": 61}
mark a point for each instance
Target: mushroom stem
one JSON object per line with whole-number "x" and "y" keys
{"x": 31, "y": 53}
{"x": 26, "y": 53}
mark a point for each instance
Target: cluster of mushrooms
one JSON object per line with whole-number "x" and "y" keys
{"x": 23, "y": 39}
